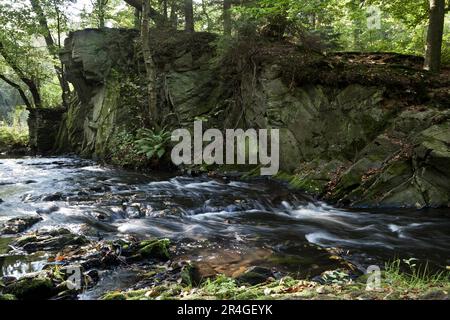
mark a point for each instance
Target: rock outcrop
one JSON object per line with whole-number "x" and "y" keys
{"x": 358, "y": 130}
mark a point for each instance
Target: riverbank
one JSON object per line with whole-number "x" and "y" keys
{"x": 394, "y": 286}
{"x": 160, "y": 276}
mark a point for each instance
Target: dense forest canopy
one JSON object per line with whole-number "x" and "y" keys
{"x": 32, "y": 32}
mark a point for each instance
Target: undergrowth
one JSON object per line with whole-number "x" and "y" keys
{"x": 11, "y": 137}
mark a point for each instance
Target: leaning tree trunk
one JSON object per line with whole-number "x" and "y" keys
{"x": 189, "y": 15}
{"x": 434, "y": 37}
{"x": 150, "y": 67}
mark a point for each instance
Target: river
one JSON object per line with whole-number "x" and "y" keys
{"x": 224, "y": 222}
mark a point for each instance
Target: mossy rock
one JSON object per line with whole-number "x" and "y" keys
{"x": 31, "y": 289}
{"x": 157, "y": 249}
{"x": 301, "y": 183}
{"x": 191, "y": 276}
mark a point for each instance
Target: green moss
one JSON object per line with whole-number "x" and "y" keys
{"x": 114, "y": 296}
{"x": 158, "y": 249}
{"x": 300, "y": 183}
{"x": 31, "y": 288}
{"x": 4, "y": 245}
{"x": 7, "y": 297}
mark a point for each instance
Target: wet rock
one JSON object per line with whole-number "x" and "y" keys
{"x": 103, "y": 256}
{"x": 93, "y": 262}
{"x": 255, "y": 275}
{"x": 7, "y": 280}
{"x": 100, "y": 189}
{"x": 18, "y": 225}
{"x": 50, "y": 210}
{"x": 1, "y": 200}
{"x": 93, "y": 276}
{"x": 134, "y": 212}
{"x": 49, "y": 241}
{"x": 107, "y": 215}
{"x": 53, "y": 197}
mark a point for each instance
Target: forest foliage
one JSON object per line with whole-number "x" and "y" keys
{"x": 32, "y": 32}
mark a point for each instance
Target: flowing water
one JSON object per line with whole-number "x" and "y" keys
{"x": 223, "y": 222}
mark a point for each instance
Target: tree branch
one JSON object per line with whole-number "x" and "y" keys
{"x": 19, "y": 89}
{"x": 28, "y": 82}
{"x": 52, "y": 48}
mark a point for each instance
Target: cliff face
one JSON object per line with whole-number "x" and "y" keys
{"x": 362, "y": 133}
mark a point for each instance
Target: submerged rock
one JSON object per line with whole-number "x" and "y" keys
{"x": 58, "y": 196}
{"x": 255, "y": 275}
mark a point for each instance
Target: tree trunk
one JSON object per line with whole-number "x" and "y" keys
{"x": 434, "y": 37}
{"x": 153, "y": 14}
{"x": 227, "y": 17}
{"x": 150, "y": 67}
{"x": 189, "y": 15}
{"x": 137, "y": 19}
{"x": 165, "y": 11}
{"x": 174, "y": 15}
{"x": 53, "y": 50}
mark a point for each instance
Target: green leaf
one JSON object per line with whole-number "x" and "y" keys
{"x": 150, "y": 154}
{"x": 161, "y": 153}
